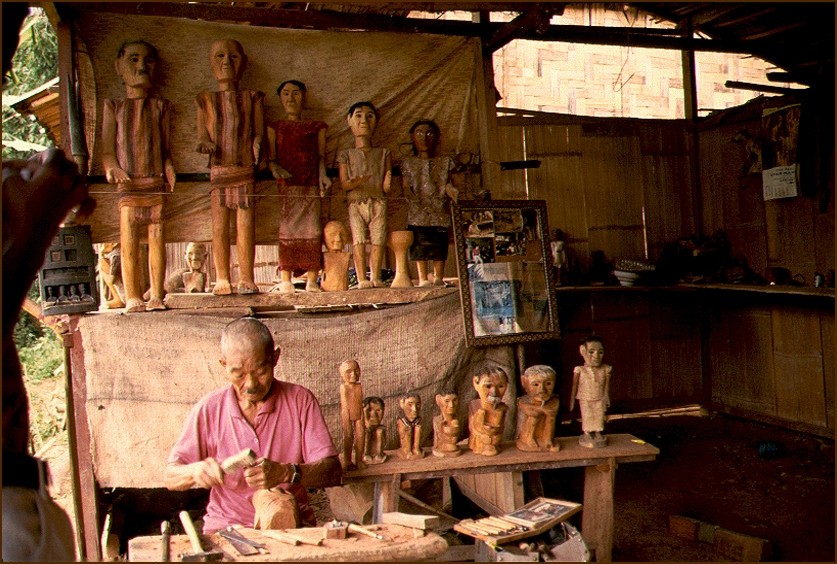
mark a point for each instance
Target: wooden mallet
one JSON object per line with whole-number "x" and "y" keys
{"x": 199, "y": 554}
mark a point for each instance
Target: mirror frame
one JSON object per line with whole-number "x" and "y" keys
{"x": 533, "y": 219}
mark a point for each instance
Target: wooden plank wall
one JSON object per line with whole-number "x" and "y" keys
{"x": 766, "y": 358}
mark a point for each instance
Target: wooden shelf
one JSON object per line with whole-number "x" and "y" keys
{"x": 704, "y": 288}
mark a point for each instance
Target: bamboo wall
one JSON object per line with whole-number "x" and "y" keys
{"x": 764, "y": 356}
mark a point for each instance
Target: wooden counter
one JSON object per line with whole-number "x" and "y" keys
{"x": 404, "y": 547}
{"x": 600, "y": 473}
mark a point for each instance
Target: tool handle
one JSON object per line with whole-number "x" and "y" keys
{"x": 191, "y": 532}
{"x": 244, "y": 458}
{"x": 165, "y": 530}
{"x": 358, "y": 529}
{"x": 281, "y": 537}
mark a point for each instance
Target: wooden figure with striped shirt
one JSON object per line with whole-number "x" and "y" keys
{"x": 136, "y": 156}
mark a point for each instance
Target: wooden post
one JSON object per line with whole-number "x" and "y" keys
{"x": 386, "y": 497}
{"x": 83, "y": 448}
{"x": 690, "y": 106}
{"x": 597, "y": 514}
{"x": 487, "y": 117}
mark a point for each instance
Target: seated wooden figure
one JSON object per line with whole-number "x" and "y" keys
{"x": 335, "y": 260}
{"x": 591, "y": 387}
{"x": 487, "y": 414}
{"x": 445, "y": 425}
{"x": 537, "y": 410}
{"x": 409, "y": 426}
{"x": 351, "y": 415}
{"x": 190, "y": 279}
{"x": 375, "y": 432}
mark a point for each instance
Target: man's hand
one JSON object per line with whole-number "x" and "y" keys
{"x": 207, "y": 473}
{"x": 266, "y": 474}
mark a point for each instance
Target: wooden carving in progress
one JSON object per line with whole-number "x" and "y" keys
{"x": 537, "y": 410}
{"x": 375, "y": 432}
{"x": 445, "y": 425}
{"x": 487, "y": 414}
{"x": 335, "y": 260}
{"x": 409, "y": 427}
{"x": 136, "y": 156}
{"x": 230, "y": 130}
{"x": 351, "y": 415}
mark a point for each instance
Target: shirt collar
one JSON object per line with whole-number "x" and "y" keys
{"x": 269, "y": 405}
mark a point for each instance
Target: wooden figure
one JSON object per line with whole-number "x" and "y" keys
{"x": 190, "y": 279}
{"x": 487, "y": 414}
{"x": 445, "y": 425}
{"x": 375, "y": 432}
{"x": 427, "y": 189}
{"x": 366, "y": 176}
{"x": 136, "y": 156}
{"x": 537, "y": 410}
{"x": 351, "y": 415}
{"x": 297, "y": 148}
{"x": 335, "y": 260}
{"x": 409, "y": 426}
{"x": 591, "y": 387}
{"x": 230, "y": 130}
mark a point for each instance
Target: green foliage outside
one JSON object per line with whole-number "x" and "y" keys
{"x": 40, "y": 350}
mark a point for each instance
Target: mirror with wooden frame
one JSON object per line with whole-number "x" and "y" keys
{"x": 505, "y": 271}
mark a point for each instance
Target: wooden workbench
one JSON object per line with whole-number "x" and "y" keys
{"x": 600, "y": 474}
{"x": 405, "y": 546}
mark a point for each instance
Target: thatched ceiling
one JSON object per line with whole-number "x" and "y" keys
{"x": 798, "y": 37}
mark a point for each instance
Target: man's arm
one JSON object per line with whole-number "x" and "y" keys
{"x": 267, "y": 474}
{"x": 205, "y": 473}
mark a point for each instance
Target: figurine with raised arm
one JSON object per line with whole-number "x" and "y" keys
{"x": 351, "y": 414}
{"x": 537, "y": 410}
{"x": 366, "y": 176}
{"x": 297, "y": 148}
{"x": 445, "y": 425}
{"x": 230, "y": 130}
{"x": 335, "y": 260}
{"x": 427, "y": 189}
{"x": 375, "y": 432}
{"x": 409, "y": 426}
{"x": 487, "y": 414}
{"x": 136, "y": 156}
{"x": 591, "y": 387}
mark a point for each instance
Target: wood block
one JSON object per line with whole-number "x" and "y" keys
{"x": 741, "y": 547}
{"x": 684, "y": 527}
{"x": 706, "y": 532}
{"x": 423, "y": 522}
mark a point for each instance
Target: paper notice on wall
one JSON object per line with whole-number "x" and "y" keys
{"x": 779, "y": 182}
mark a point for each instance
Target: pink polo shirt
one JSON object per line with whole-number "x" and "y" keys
{"x": 289, "y": 428}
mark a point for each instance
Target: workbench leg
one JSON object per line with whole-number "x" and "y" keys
{"x": 386, "y": 497}
{"x": 597, "y": 514}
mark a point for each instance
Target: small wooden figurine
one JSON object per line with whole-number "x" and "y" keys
{"x": 445, "y": 425}
{"x": 375, "y": 432}
{"x": 537, "y": 410}
{"x": 297, "y": 148}
{"x": 427, "y": 189}
{"x": 136, "y": 156}
{"x": 351, "y": 415}
{"x": 335, "y": 260}
{"x": 591, "y": 387}
{"x": 366, "y": 176}
{"x": 409, "y": 426}
{"x": 487, "y": 414}
{"x": 190, "y": 279}
{"x": 230, "y": 130}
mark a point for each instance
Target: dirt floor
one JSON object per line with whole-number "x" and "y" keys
{"x": 742, "y": 476}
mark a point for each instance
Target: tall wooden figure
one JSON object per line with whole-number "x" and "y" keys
{"x": 297, "y": 148}
{"x": 446, "y": 425}
{"x": 409, "y": 426}
{"x": 230, "y": 130}
{"x": 351, "y": 415}
{"x": 136, "y": 156}
{"x": 591, "y": 387}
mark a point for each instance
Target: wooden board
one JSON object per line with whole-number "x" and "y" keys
{"x": 404, "y": 546}
{"x": 620, "y": 447}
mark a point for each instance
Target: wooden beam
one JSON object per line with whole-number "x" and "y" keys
{"x": 737, "y": 84}
{"x": 535, "y": 18}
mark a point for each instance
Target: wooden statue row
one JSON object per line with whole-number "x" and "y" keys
{"x": 364, "y": 435}
{"x": 231, "y": 131}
